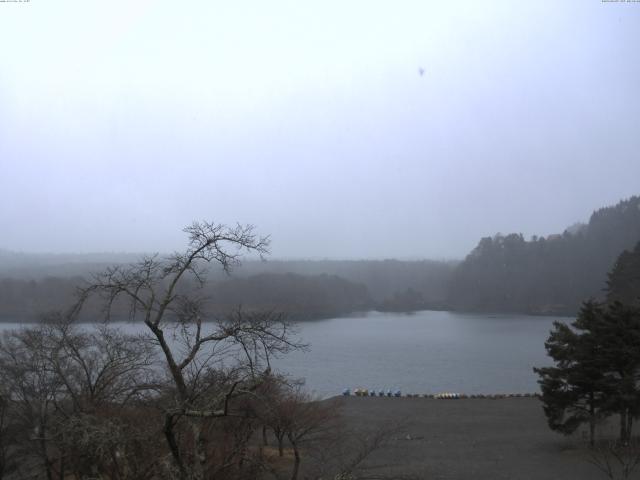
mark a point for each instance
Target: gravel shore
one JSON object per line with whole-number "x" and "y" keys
{"x": 473, "y": 439}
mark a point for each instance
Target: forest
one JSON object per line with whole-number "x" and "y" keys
{"x": 503, "y": 273}
{"x": 551, "y": 275}
{"x": 306, "y": 290}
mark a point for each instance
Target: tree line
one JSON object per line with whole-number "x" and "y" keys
{"x": 546, "y": 275}
{"x": 304, "y": 289}
{"x": 503, "y": 273}
{"x": 302, "y": 297}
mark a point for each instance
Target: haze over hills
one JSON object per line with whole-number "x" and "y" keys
{"x": 546, "y": 275}
{"x": 503, "y": 273}
{"x": 39, "y": 265}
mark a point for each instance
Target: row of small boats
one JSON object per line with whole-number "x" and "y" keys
{"x": 363, "y": 392}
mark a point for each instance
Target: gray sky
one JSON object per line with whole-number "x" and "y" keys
{"x": 121, "y": 122}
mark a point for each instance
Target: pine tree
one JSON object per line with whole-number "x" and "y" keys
{"x": 618, "y": 338}
{"x": 575, "y": 391}
{"x": 597, "y": 369}
{"x": 623, "y": 284}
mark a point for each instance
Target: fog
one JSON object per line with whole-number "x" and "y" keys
{"x": 343, "y": 129}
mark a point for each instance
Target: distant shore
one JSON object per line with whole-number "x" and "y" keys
{"x": 29, "y": 319}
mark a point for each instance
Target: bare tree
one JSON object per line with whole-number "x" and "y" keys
{"x": 210, "y": 362}
{"x": 5, "y": 431}
{"x": 32, "y": 390}
{"x": 271, "y": 410}
{"x": 349, "y": 454}
{"x": 106, "y": 380}
{"x": 99, "y": 366}
{"x": 67, "y": 390}
{"x": 290, "y": 413}
{"x": 615, "y": 459}
{"x": 306, "y": 421}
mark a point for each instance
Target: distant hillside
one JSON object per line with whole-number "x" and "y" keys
{"x": 301, "y": 297}
{"x": 546, "y": 275}
{"x": 36, "y": 266}
{"x": 384, "y": 279}
{"x": 24, "y": 300}
{"x": 623, "y": 282}
{"x": 34, "y": 283}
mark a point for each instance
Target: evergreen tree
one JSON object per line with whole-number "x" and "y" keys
{"x": 597, "y": 369}
{"x": 618, "y": 341}
{"x": 575, "y": 390}
{"x": 623, "y": 284}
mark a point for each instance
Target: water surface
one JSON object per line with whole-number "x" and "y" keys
{"x": 421, "y": 352}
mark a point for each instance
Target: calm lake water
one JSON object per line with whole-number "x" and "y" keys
{"x": 422, "y": 352}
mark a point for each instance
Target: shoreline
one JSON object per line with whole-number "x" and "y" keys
{"x": 30, "y": 319}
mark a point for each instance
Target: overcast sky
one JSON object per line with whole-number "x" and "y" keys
{"x": 121, "y": 122}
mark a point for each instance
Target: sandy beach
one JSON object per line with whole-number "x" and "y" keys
{"x": 473, "y": 439}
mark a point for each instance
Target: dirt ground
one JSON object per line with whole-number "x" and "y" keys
{"x": 473, "y": 439}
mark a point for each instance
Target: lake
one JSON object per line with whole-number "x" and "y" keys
{"x": 421, "y": 352}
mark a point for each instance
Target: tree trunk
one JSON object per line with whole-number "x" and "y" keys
{"x": 115, "y": 471}
{"x": 264, "y": 436}
{"x": 280, "y": 447}
{"x": 200, "y": 453}
{"x": 173, "y": 445}
{"x": 61, "y": 474}
{"x": 296, "y": 460}
{"x": 592, "y": 421}
{"x": 175, "y": 370}
{"x": 624, "y": 439}
{"x": 43, "y": 450}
